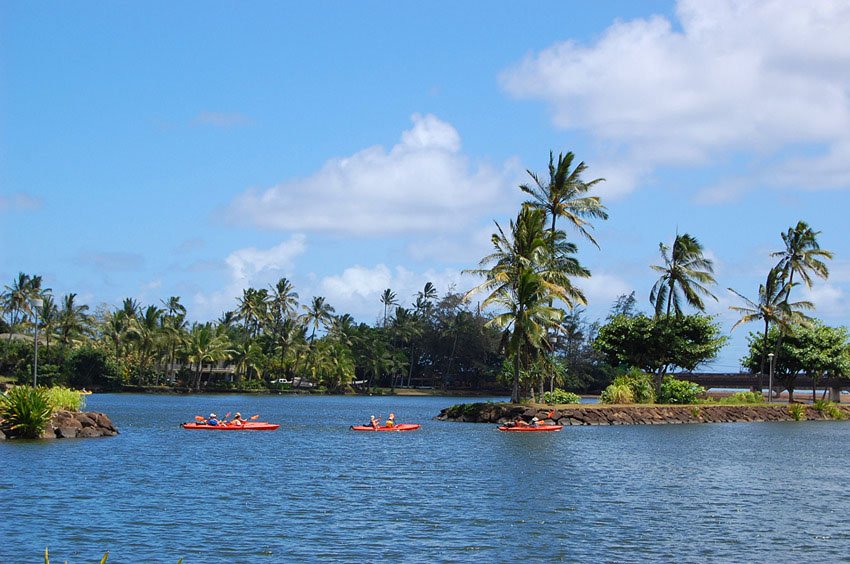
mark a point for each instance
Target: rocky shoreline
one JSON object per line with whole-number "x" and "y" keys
{"x": 71, "y": 425}
{"x": 584, "y": 414}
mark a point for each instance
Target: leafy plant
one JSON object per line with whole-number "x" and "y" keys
{"x": 679, "y": 391}
{"x": 829, "y": 410}
{"x": 560, "y": 396}
{"x": 26, "y": 411}
{"x": 742, "y": 397}
{"x": 617, "y": 394}
{"x": 797, "y": 411}
{"x": 64, "y": 398}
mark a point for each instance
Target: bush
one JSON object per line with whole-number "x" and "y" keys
{"x": 743, "y": 397}
{"x": 679, "y": 391}
{"x": 25, "y": 411}
{"x": 560, "y": 396}
{"x": 617, "y": 393}
{"x": 87, "y": 367}
{"x": 797, "y": 411}
{"x": 64, "y": 398}
{"x": 829, "y": 410}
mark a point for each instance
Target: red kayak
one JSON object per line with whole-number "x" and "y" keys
{"x": 401, "y": 427}
{"x": 247, "y": 426}
{"x": 532, "y": 428}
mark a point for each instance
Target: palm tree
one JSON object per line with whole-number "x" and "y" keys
{"x": 205, "y": 345}
{"x": 565, "y": 195}
{"x": 73, "y": 320}
{"x": 284, "y": 299}
{"x": 48, "y": 319}
{"x": 772, "y": 309}
{"x": 685, "y": 272}
{"x": 802, "y": 256}
{"x": 522, "y": 278}
{"x": 144, "y": 330}
{"x": 253, "y": 309}
{"x": 318, "y": 314}
{"x": 388, "y": 298}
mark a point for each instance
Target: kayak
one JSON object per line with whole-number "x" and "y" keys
{"x": 248, "y": 426}
{"x": 532, "y": 428}
{"x": 400, "y": 427}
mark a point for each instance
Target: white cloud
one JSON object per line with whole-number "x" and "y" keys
{"x": 423, "y": 184}
{"x": 250, "y": 267}
{"x": 753, "y": 76}
{"x": 830, "y": 301}
{"x": 602, "y": 289}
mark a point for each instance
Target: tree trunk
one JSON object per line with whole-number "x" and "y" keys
{"x": 515, "y": 391}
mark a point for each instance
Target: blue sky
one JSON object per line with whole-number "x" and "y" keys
{"x": 196, "y": 148}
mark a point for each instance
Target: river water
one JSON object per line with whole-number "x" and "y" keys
{"x": 449, "y": 492}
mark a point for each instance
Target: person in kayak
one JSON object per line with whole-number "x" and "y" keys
{"x": 390, "y": 420}
{"x": 213, "y": 420}
{"x": 535, "y": 422}
{"x": 237, "y": 420}
{"x": 374, "y": 422}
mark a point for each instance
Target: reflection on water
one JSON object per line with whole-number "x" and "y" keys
{"x": 314, "y": 490}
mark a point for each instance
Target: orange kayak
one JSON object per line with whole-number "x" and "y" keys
{"x": 400, "y": 427}
{"x": 532, "y": 428}
{"x": 248, "y": 426}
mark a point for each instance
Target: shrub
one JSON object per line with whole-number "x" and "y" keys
{"x": 88, "y": 367}
{"x": 743, "y": 397}
{"x": 617, "y": 393}
{"x": 797, "y": 411}
{"x": 560, "y": 396}
{"x": 829, "y": 410}
{"x": 64, "y": 398}
{"x": 679, "y": 391}
{"x": 25, "y": 411}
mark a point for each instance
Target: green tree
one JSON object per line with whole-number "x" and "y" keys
{"x": 205, "y": 345}
{"x": 772, "y": 309}
{"x": 521, "y": 280}
{"x": 565, "y": 195}
{"x": 658, "y": 344}
{"x": 389, "y": 299}
{"x": 74, "y": 321}
{"x": 685, "y": 273}
{"x": 144, "y": 332}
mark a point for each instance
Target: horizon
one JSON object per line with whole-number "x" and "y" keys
{"x": 354, "y": 148}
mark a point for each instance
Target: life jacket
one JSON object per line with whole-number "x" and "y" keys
{"x": 212, "y": 422}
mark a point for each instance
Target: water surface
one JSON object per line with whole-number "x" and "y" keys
{"x": 450, "y": 492}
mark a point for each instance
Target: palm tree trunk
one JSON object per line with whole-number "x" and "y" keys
{"x": 515, "y": 391}
{"x": 763, "y": 356}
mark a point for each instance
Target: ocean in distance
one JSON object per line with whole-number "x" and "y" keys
{"x": 449, "y": 492}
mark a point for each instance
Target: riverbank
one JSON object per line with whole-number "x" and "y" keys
{"x": 590, "y": 414}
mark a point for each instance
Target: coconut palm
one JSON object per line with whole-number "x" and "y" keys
{"x": 521, "y": 279}
{"x": 254, "y": 309}
{"x": 205, "y": 345}
{"x": 48, "y": 319}
{"x": 284, "y": 300}
{"x": 802, "y": 256}
{"x": 685, "y": 273}
{"x": 389, "y": 299}
{"x": 73, "y": 320}
{"x": 144, "y": 332}
{"x": 318, "y": 314}
{"x": 565, "y": 195}
{"x": 772, "y": 309}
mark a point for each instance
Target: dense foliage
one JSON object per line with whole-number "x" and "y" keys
{"x": 559, "y": 396}
{"x": 679, "y": 391}
{"x": 25, "y": 411}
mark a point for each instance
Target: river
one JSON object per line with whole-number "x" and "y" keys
{"x": 449, "y": 492}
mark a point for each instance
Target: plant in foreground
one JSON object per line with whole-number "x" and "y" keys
{"x": 26, "y": 411}
{"x": 829, "y": 410}
{"x": 560, "y": 396}
{"x": 797, "y": 411}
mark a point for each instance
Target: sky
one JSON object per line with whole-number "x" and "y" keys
{"x": 194, "y": 149}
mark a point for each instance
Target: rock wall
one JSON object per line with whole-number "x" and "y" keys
{"x": 71, "y": 424}
{"x": 584, "y": 414}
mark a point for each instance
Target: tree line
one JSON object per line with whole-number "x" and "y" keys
{"x": 529, "y": 333}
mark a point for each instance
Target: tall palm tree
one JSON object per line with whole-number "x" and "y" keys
{"x": 73, "y": 320}
{"x": 318, "y": 314}
{"x": 389, "y": 299}
{"x": 565, "y": 195}
{"x": 253, "y": 309}
{"x": 521, "y": 279}
{"x": 772, "y": 309}
{"x": 802, "y": 256}
{"x": 48, "y": 319}
{"x": 145, "y": 332}
{"x": 284, "y": 300}
{"x": 205, "y": 345}
{"x": 685, "y": 272}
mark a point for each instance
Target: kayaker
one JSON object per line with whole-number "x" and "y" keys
{"x": 390, "y": 420}
{"x": 237, "y": 420}
{"x": 213, "y": 420}
{"x": 374, "y": 421}
{"x": 535, "y": 421}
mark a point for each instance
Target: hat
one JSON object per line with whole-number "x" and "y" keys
{"x": 238, "y": 414}
{"x": 213, "y": 415}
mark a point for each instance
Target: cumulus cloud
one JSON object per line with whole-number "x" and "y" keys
{"x": 422, "y": 184}
{"x": 753, "y": 76}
